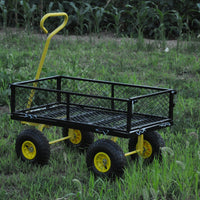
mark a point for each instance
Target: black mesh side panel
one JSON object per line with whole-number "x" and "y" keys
{"x": 99, "y": 104}
{"x": 157, "y": 105}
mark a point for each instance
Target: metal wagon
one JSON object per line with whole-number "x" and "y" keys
{"x": 84, "y": 107}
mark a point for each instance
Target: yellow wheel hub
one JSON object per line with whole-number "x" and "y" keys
{"x": 29, "y": 150}
{"x": 147, "y": 149}
{"x": 102, "y": 162}
{"x": 76, "y": 136}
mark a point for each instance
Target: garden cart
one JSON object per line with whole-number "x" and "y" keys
{"x": 83, "y": 107}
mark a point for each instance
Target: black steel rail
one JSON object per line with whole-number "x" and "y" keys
{"x": 101, "y": 106}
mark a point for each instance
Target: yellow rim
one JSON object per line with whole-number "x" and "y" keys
{"x": 102, "y": 162}
{"x": 147, "y": 149}
{"x": 29, "y": 150}
{"x": 76, "y": 136}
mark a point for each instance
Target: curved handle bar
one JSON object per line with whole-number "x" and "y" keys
{"x": 54, "y": 15}
{"x": 50, "y": 36}
{"x": 46, "y": 46}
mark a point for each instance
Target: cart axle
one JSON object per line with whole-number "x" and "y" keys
{"x": 140, "y": 146}
{"x": 61, "y": 139}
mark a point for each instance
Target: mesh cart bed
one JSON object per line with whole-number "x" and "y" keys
{"x": 100, "y": 106}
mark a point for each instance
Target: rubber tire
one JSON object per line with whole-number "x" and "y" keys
{"x": 156, "y": 141}
{"x": 41, "y": 143}
{"x": 115, "y": 153}
{"x": 86, "y": 141}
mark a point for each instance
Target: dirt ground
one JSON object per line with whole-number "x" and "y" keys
{"x": 104, "y": 36}
{"x": 4, "y": 109}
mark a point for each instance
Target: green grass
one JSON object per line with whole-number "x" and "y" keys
{"x": 66, "y": 176}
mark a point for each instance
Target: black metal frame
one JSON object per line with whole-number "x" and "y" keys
{"x": 130, "y": 127}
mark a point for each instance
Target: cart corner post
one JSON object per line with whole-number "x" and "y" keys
{"x": 129, "y": 114}
{"x": 12, "y": 99}
{"x": 130, "y": 106}
{"x": 59, "y": 89}
{"x": 171, "y": 103}
{"x": 112, "y": 95}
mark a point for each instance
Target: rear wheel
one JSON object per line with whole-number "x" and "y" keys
{"x": 105, "y": 158}
{"x": 151, "y": 146}
{"x": 32, "y": 146}
{"x": 79, "y": 138}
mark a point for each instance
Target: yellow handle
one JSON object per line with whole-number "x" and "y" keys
{"x": 50, "y": 36}
{"x": 46, "y": 46}
{"x": 54, "y": 15}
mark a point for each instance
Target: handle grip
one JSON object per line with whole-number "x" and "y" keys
{"x": 54, "y": 15}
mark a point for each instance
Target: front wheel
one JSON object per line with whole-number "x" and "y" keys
{"x": 151, "y": 146}
{"x": 105, "y": 158}
{"x": 32, "y": 146}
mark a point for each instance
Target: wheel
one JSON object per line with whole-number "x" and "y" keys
{"x": 32, "y": 146}
{"x": 105, "y": 158}
{"x": 80, "y": 139}
{"x": 152, "y": 144}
